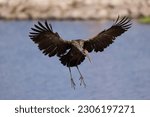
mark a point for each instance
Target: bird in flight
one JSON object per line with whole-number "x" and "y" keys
{"x": 72, "y": 53}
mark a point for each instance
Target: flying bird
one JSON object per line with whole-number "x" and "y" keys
{"x": 72, "y": 53}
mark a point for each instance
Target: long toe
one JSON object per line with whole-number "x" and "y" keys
{"x": 82, "y": 81}
{"x": 73, "y": 83}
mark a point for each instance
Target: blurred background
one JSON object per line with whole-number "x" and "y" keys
{"x": 122, "y": 71}
{"x": 73, "y": 9}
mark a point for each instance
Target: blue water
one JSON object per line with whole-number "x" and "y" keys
{"x": 122, "y": 71}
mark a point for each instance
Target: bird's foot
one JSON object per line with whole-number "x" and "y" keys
{"x": 73, "y": 83}
{"x": 82, "y": 81}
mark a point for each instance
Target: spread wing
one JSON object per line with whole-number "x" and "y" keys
{"x": 49, "y": 42}
{"x": 106, "y": 37}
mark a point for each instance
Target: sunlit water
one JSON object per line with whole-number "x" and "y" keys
{"x": 122, "y": 71}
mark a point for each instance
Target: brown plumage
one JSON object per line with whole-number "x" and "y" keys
{"x": 72, "y": 53}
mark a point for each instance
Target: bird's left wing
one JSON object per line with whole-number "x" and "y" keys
{"x": 106, "y": 37}
{"x": 49, "y": 42}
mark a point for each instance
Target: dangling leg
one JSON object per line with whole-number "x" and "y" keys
{"x": 72, "y": 81}
{"x": 81, "y": 78}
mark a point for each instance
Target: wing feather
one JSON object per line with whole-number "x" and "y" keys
{"x": 107, "y": 37}
{"x": 49, "y": 42}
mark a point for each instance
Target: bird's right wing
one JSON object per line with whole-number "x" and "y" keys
{"x": 49, "y": 42}
{"x": 106, "y": 37}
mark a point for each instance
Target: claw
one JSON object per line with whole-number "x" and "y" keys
{"x": 82, "y": 81}
{"x": 81, "y": 78}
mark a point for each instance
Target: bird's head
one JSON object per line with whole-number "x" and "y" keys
{"x": 79, "y": 45}
{"x": 86, "y": 53}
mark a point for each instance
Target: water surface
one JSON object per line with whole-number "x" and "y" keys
{"x": 122, "y": 71}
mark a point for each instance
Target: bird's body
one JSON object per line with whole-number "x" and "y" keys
{"x": 72, "y": 53}
{"x": 75, "y": 55}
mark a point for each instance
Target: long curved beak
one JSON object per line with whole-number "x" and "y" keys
{"x": 89, "y": 58}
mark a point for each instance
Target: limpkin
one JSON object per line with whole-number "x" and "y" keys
{"x": 72, "y": 52}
